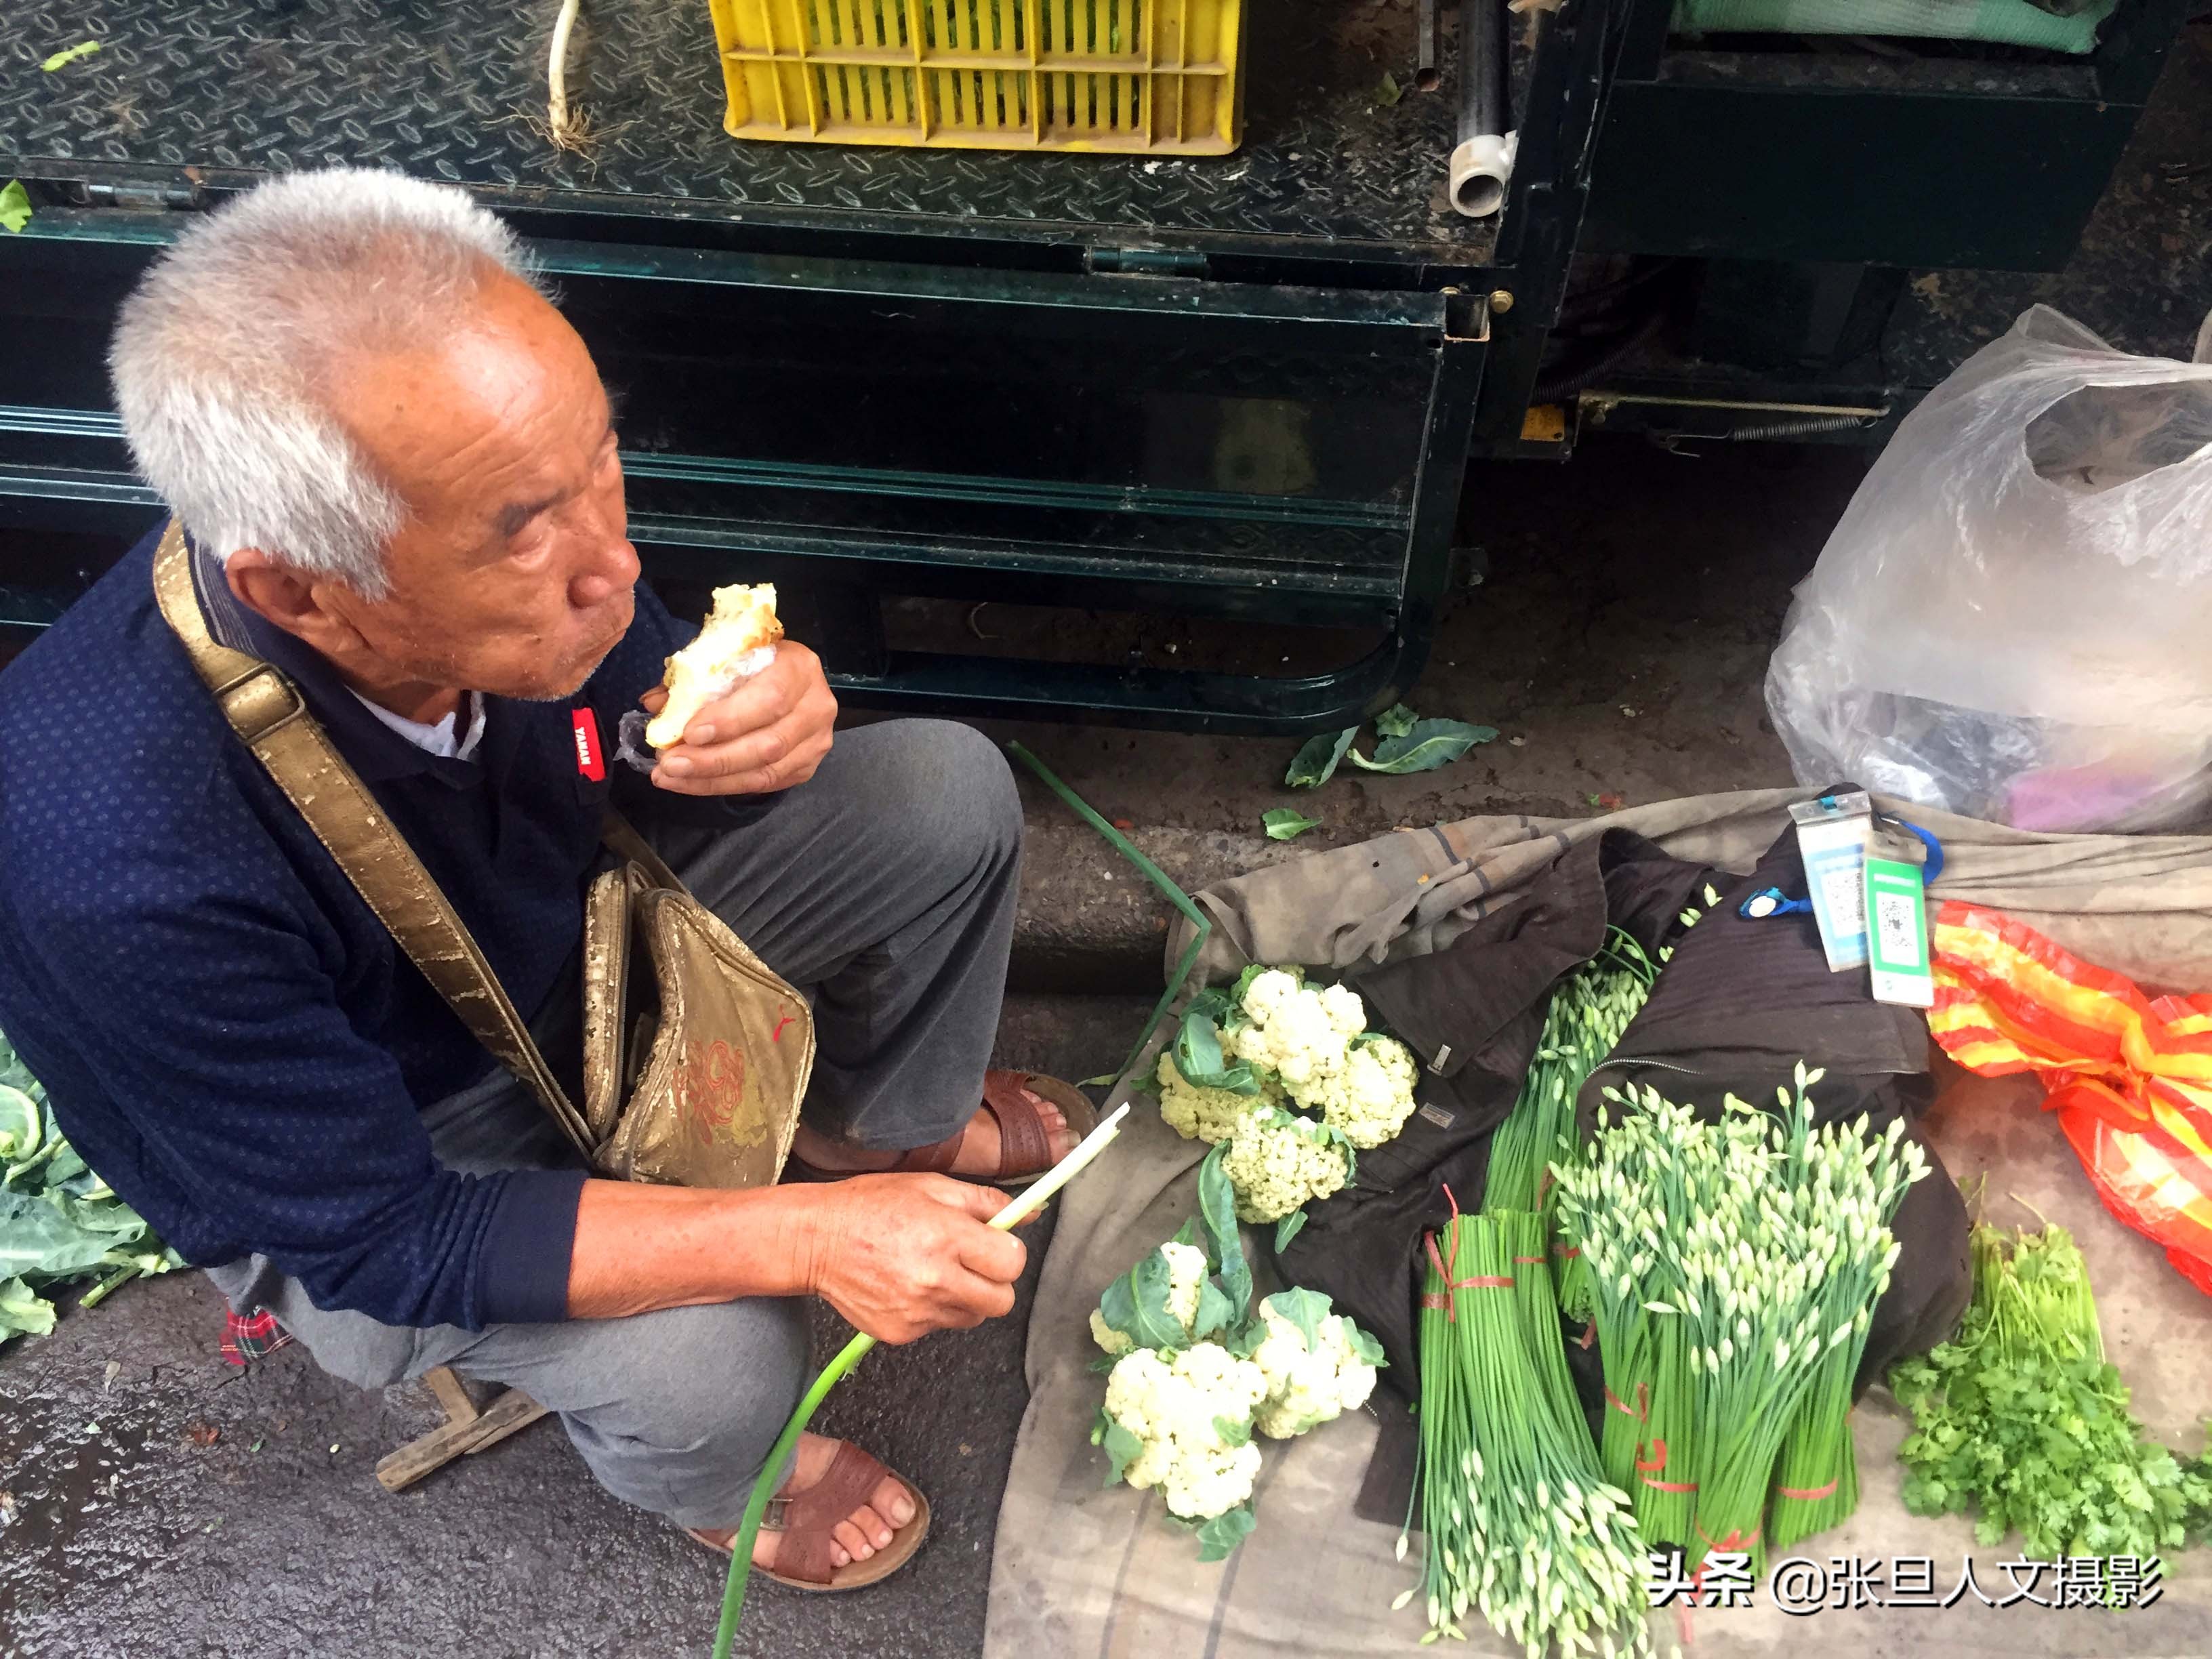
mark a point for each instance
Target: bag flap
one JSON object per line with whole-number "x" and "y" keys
{"x": 718, "y": 1101}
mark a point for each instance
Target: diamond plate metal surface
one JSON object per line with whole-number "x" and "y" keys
{"x": 454, "y": 89}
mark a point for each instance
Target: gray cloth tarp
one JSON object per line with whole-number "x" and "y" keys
{"x": 1083, "y": 1570}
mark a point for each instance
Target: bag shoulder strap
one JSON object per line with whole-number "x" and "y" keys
{"x": 267, "y": 712}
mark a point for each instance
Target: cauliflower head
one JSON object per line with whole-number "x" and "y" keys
{"x": 1277, "y": 1161}
{"x": 1186, "y": 1269}
{"x": 1207, "y": 1114}
{"x": 1289, "y": 1033}
{"x": 1303, "y": 1034}
{"x": 1310, "y": 1382}
{"x": 1372, "y": 1096}
{"x": 1177, "y": 1411}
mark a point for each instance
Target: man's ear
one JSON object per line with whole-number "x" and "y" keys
{"x": 281, "y": 595}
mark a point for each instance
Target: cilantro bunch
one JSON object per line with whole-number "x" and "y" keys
{"x": 2023, "y": 1420}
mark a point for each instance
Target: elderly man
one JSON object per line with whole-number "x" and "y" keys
{"x": 397, "y": 468}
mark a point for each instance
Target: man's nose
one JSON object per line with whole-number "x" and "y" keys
{"x": 612, "y": 566}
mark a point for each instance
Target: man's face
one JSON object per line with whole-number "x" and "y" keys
{"x": 512, "y": 573}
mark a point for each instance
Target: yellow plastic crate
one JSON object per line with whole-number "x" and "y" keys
{"x": 1148, "y": 76}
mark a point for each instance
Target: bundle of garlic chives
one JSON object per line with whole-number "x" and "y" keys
{"x": 1816, "y": 1482}
{"x": 1588, "y": 1010}
{"x": 1733, "y": 1261}
{"x": 1522, "y": 1527}
{"x": 1017, "y": 1210}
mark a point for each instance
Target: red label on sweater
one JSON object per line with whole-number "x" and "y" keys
{"x": 589, "y": 760}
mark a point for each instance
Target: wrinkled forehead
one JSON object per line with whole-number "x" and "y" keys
{"x": 507, "y": 396}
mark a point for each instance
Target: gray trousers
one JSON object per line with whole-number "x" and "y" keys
{"x": 885, "y": 887}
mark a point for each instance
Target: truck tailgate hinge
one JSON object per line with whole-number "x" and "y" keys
{"x": 1144, "y": 262}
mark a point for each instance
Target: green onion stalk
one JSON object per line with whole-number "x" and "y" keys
{"x": 733, "y": 1592}
{"x": 1018, "y": 1210}
{"x": 1521, "y": 1526}
{"x": 1201, "y": 925}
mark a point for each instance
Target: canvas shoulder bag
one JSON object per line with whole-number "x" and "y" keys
{"x": 696, "y": 1055}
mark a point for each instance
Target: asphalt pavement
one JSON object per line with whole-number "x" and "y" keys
{"x": 160, "y": 1504}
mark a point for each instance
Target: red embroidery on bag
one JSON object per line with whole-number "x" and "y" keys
{"x": 710, "y": 1086}
{"x": 776, "y": 1035}
{"x": 589, "y": 760}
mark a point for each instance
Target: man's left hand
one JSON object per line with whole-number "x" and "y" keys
{"x": 768, "y": 734}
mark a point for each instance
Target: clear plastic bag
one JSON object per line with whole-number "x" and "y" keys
{"x": 2013, "y": 619}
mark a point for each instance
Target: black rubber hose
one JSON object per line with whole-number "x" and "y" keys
{"x": 1565, "y": 382}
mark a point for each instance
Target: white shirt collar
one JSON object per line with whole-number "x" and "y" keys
{"x": 437, "y": 739}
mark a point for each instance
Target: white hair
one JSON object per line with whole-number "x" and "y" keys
{"x": 223, "y": 353}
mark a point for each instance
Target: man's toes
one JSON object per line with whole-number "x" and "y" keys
{"x": 874, "y": 1526}
{"x": 853, "y": 1541}
{"x": 893, "y": 1503}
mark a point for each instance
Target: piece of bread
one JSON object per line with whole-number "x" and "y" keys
{"x": 737, "y": 640}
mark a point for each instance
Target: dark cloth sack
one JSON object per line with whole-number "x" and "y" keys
{"x": 1739, "y": 1005}
{"x": 1472, "y": 1014}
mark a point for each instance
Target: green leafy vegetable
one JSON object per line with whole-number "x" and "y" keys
{"x": 59, "y": 1221}
{"x": 1122, "y": 1446}
{"x": 1364, "y": 1345}
{"x": 2196, "y": 1493}
{"x": 69, "y": 55}
{"x": 15, "y": 206}
{"x": 21, "y": 1125}
{"x": 1396, "y": 720}
{"x": 1224, "y": 1242}
{"x": 1218, "y": 1536}
{"x": 2022, "y": 1418}
{"x": 1216, "y": 1312}
{"x": 1390, "y": 92}
{"x": 1303, "y": 1308}
{"x": 1213, "y": 1002}
{"x": 1288, "y": 1229}
{"x": 1427, "y": 745}
{"x": 23, "y": 1311}
{"x": 1316, "y": 764}
{"x": 1198, "y": 1057}
{"x": 1136, "y": 1304}
{"x": 1287, "y": 822}
{"x": 1233, "y": 1431}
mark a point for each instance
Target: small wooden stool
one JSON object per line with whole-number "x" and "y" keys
{"x": 466, "y": 1429}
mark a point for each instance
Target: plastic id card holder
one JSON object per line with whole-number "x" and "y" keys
{"x": 1833, "y": 834}
{"x": 1897, "y": 935}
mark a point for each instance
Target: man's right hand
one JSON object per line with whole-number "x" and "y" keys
{"x": 902, "y": 1255}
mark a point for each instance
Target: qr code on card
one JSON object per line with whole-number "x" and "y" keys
{"x": 1897, "y": 930}
{"x": 1846, "y": 901}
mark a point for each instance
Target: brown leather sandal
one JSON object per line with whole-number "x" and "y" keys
{"x": 1024, "y": 1148}
{"x": 808, "y": 1519}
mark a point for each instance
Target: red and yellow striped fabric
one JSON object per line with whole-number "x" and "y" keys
{"x": 2129, "y": 1076}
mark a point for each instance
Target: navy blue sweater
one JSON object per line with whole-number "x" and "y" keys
{"x": 227, "y": 1032}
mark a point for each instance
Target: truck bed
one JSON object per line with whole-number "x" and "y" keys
{"x": 188, "y": 93}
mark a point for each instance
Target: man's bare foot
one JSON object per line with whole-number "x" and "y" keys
{"x": 859, "y": 1536}
{"x": 978, "y": 1148}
